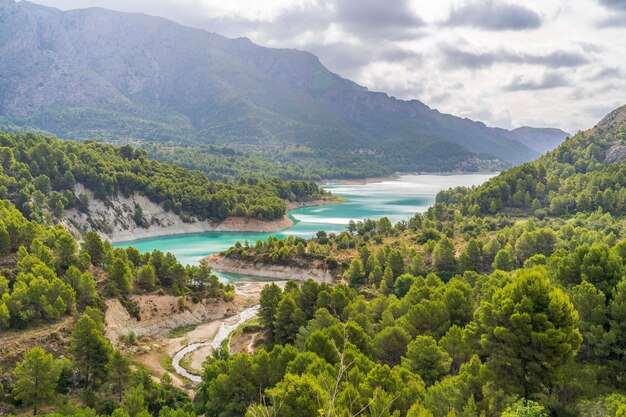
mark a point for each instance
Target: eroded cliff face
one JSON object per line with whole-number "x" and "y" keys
{"x": 279, "y": 272}
{"x": 162, "y": 313}
{"x": 114, "y": 219}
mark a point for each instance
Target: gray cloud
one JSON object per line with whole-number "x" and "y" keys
{"x": 556, "y": 59}
{"x": 545, "y": 82}
{"x": 347, "y": 59}
{"x": 608, "y": 73}
{"x": 392, "y": 19}
{"x": 366, "y": 19}
{"x": 494, "y": 15}
{"x": 614, "y": 4}
{"x": 455, "y": 57}
{"x": 616, "y": 20}
{"x": 440, "y": 98}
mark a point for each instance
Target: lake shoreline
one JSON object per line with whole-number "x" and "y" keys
{"x": 397, "y": 175}
{"x": 397, "y": 200}
{"x": 230, "y": 224}
{"x": 221, "y": 263}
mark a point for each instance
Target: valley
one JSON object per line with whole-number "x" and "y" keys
{"x": 200, "y": 225}
{"x": 396, "y": 198}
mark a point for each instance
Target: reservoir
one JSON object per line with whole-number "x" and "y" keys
{"x": 397, "y": 198}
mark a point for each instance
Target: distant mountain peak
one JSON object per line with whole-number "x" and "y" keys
{"x": 540, "y": 139}
{"x": 95, "y": 73}
{"x": 615, "y": 118}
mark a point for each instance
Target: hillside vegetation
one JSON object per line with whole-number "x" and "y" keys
{"x": 585, "y": 173}
{"x": 456, "y": 311}
{"x": 40, "y": 174}
{"x": 52, "y": 294}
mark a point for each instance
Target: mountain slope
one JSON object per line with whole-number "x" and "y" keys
{"x": 103, "y": 74}
{"x": 541, "y": 140}
{"x": 586, "y": 172}
{"x": 121, "y": 193}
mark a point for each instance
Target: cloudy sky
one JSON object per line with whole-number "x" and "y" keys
{"x": 559, "y": 63}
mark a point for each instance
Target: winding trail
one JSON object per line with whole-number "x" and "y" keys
{"x": 226, "y": 328}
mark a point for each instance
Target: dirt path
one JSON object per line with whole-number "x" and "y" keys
{"x": 164, "y": 330}
{"x": 226, "y": 328}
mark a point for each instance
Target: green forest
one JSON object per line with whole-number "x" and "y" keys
{"x": 301, "y": 162}
{"x": 508, "y": 299}
{"x": 39, "y": 174}
{"x": 287, "y": 162}
{"x": 46, "y": 278}
{"x": 466, "y": 310}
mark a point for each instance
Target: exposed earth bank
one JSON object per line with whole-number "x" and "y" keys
{"x": 166, "y": 328}
{"x": 279, "y": 272}
{"x": 114, "y": 218}
{"x": 160, "y": 314}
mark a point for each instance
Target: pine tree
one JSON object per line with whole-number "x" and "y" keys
{"x": 531, "y": 328}
{"x": 92, "y": 244}
{"x": 426, "y": 359}
{"x": 503, "y": 260}
{"x": 395, "y": 261}
{"x": 146, "y": 277}
{"x": 134, "y": 402}
{"x": 388, "y": 278}
{"x": 391, "y": 344}
{"x": 470, "y": 258}
{"x": 417, "y": 266}
{"x": 270, "y": 297}
{"x": 355, "y": 274}
{"x": 90, "y": 349}
{"x": 120, "y": 277}
{"x": 5, "y": 317}
{"x": 118, "y": 370}
{"x": 443, "y": 256}
{"x": 288, "y": 320}
{"x": 36, "y": 377}
{"x": 375, "y": 275}
{"x": 65, "y": 248}
{"x": 5, "y": 240}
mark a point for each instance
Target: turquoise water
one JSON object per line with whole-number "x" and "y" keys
{"x": 398, "y": 199}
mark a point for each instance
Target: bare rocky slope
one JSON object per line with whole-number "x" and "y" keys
{"x": 161, "y": 314}
{"x": 114, "y": 219}
{"x": 98, "y": 73}
{"x": 280, "y": 272}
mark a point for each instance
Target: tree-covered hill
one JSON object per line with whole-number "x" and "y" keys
{"x": 39, "y": 175}
{"x": 95, "y": 73}
{"x": 455, "y": 312}
{"x": 53, "y": 293}
{"x": 584, "y": 173}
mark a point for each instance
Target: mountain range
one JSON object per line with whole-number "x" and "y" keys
{"x": 105, "y": 75}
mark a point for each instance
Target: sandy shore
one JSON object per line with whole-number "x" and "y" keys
{"x": 279, "y": 272}
{"x": 232, "y": 224}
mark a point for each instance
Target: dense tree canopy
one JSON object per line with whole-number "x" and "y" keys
{"x": 39, "y": 175}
